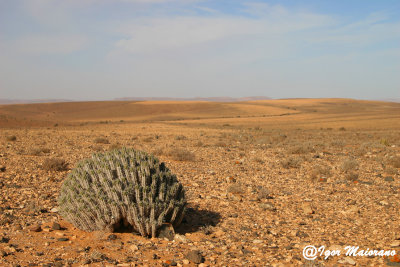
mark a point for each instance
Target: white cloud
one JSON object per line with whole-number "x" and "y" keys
{"x": 155, "y": 34}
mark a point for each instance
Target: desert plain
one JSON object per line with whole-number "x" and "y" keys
{"x": 263, "y": 180}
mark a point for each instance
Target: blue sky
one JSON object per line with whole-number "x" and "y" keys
{"x": 105, "y": 49}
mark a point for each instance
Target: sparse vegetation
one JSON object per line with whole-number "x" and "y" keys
{"x": 38, "y": 151}
{"x": 55, "y": 164}
{"x": 291, "y": 162}
{"x": 349, "y": 165}
{"x": 181, "y": 154}
{"x": 180, "y": 137}
{"x": 11, "y": 138}
{"x": 101, "y": 140}
{"x": 235, "y": 189}
{"x": 120, "y": 188}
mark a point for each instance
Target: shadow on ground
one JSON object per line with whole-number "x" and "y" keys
{"x": 196, "y": 218}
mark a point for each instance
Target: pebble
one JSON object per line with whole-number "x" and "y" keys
{"x": 4, "y": 240}
{"x": 195, "y": 256}
{"x": 35, "y": 228}
{"x": 133, "y": 248}
{"x": 56, "y": 226}
{"x": 396, "y": 243}
{"x": 62, "y": 239}
{"x": 167, "y": 231}
{"x": 389, "y": 179}
{"x": 181, "y": 238}
{"x": 112, "y": 237}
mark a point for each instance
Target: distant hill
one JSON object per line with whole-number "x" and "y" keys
{"x": 31, "y": 101}
{"x": 210, "y": 99}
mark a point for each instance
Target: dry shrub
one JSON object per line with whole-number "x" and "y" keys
{"x": 148, "y": 139}
{"x": 235, "y": 189}
{"x": 352, "y": 176}
{"x": 180, "y": 137}
{"x": 394, "y": 161}
{"x": 342, "y": 129}
{"x": 54, "y": 164}
{"x": 101, "y": 140}
{"x": 115, "y": 146}
{"x": 349, "y": 165}
{"x": 338, "y": 143}
{"x": 220, "y": 144}
{"x": 320, "y": 172}
{"x": 158, "y": 151}
{"x": 302, "y": 149}
{"x": 11, "y": 138}
{"x": 291, "y": 162}
{"x": 259, "y": 160}
{"x": 391, "y": 170}
{"x": 181, "y": 154}
{"x": 199, "y": 144}
{"x": 38, "y": 151}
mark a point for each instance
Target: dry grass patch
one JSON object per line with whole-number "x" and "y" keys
{"x": 38, "y": 151}
{"x": 55, "y": 164}
{"x": 181, "y": 154}
{"x": 349, "y": 165}
{"x": 301, "y": 149}
{"x": 291, "y": 162}
{"x": 11, "y": 138}
{"x": 101, "y": 140}
{"x": 235, "y": 189}
{"x": 320, "y": 171}
{"x": 394, "y": 161}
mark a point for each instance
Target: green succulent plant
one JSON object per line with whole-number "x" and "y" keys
{"x": 122, "y": 187}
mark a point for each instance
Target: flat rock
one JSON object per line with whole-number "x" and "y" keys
{"x": 195, "y": 256}
{"x": 35, "y": 228}
{"x": 56, "y": 226}
{"x": 167, "y": 231}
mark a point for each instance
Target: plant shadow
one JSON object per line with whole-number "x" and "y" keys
{"x": 196, "y": 218}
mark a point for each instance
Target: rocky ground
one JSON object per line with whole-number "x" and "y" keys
{"x": 257, "y": 196}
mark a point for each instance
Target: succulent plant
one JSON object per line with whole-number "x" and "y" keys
{"x": 122, "y": 187}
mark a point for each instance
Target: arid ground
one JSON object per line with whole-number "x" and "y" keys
{"x": 263, "y": 179}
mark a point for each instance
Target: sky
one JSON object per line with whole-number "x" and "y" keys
{"x": 106, "y": 49}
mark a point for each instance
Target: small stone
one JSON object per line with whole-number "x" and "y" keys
{"x": 35, "y": 228}
{"x": 195, "y": 256}
{"x": 185, "y": 261}
{"x": 2, "y": 168}
{"x": 62, "y": 239}
{"x": 230, "y": 179}
{"x": 307, "y": 209}
{"x": 133, "y": 248}
{"x": 111, "y": 237}
{"x": 56, "y": 226}
{"x": 167, "y": 231}
{"x": 257, "y": 241}
{"x": 181, "y": 238}
{"x": 383, "y": 203}
{"x": 389, "y": 179}
{"x": 267, "y": 206}
{"x": 219, "y": 233}
{"x": 54, "y": 210}
{"x": 4, "y": 240}
{"x": 396, "y": 243}
{"x": 349, "y": 261}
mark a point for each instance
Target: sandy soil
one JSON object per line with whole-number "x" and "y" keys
{"x": 264, "y": 179}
